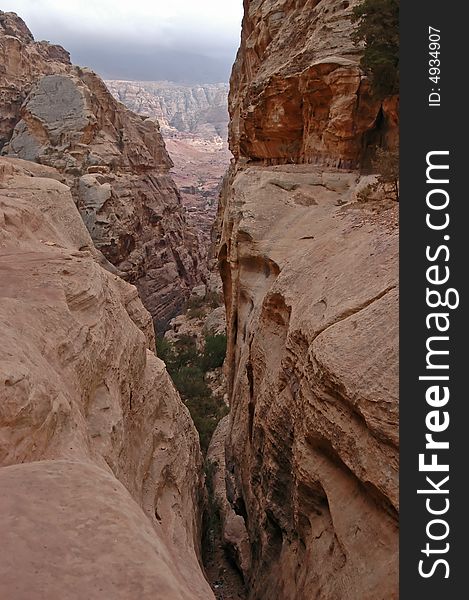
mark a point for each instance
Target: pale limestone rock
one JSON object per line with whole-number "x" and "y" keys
{"x": 194, "y": 109}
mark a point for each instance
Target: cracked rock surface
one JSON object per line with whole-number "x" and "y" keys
{"x": 297, "y": 92}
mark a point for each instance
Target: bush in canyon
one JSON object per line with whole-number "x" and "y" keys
{"x": 214, "y": 351}
{"x": 195, "y": 307}
{"x": 187, "y": 368}
{"x": 386, "y": 165}
{"x": 378, "y": 29}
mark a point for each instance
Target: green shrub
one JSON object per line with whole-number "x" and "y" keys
{"x": 386, "y": 163}
{"x": 206, "y": 412}
{"x": 378, "y": 29}
{"x": 214, "y": 352}
{"x": 189, "y": 381}
{"x": 164, "y": 349}
{"x": 214, "y": 299}
{"x": 186, "y": 352}
{"x": 195, "y": 302}
{"x": 187, "y": 368}
{"x": 195, "y": 313}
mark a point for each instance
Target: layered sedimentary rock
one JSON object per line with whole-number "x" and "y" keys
{"x": 310, "y": 282}
{"x": 234, "y": 535}
{"x": 115, "y": 162}
{"x": 297, "y": 92}
{"x": 310, "y": 276}
{"x": 100, "y": 465}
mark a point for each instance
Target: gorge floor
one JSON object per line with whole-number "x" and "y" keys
{"x": 223, "y": 576}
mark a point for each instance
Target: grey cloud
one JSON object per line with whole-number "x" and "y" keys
{"x": 150, "y": 63}
{"x": 174, "y": 49}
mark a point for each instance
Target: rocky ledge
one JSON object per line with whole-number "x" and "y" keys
{"x": 297, "y": 92}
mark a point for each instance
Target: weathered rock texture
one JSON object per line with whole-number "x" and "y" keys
{"x": 310, "y": 280}
{"x": 233, "y": 528}
{"x": 115, "y": 162}
{"x": 297, "y": 92}
{"x": 100, "y": 465}
{"x": 312, "y": 456}
{"x": 21, "y": 63}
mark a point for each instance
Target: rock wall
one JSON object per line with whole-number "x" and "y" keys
{"x": 297, "y": 92}
{"x": 310, "y": 275}
{"x": 114, "y": 161}
{"x": 101, "y": 480}
{"x": 21, "y": 63}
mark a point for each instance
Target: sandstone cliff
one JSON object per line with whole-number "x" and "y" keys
{"x": 297, "y": 92}
{"x": 100, "y": 466}
{"x": 114, "y": 161}
{"x": 310, "y": 280}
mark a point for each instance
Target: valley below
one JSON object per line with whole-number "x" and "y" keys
{"x": 194, "y": 124}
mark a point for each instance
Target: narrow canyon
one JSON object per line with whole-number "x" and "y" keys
{"x": 139, "y": 226}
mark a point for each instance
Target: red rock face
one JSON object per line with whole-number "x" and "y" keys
{"x": 114, "y": 160}
{"x": 194, "y": 125}
{"x": 297, "y": 92}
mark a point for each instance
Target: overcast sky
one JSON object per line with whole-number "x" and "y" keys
{"x": 179, "y": 40}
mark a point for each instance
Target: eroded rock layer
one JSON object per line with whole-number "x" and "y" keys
{"x": 194, "y": 109}
{"x": 100, "y": 465}
{"x": 194, "y": 124}
{"x": 297, "y": 92}
{"x": 115, "y": 162}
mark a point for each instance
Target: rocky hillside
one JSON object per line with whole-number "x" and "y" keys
{"x": 101, "y": 480}
{"x": 297, "y": 92}
{"x": 114, "y": 161}
{"x": 310, "y": 276}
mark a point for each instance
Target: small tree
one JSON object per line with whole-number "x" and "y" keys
{"x": 378, "y": 29}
